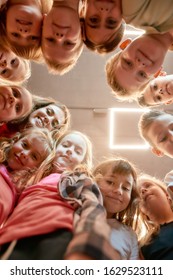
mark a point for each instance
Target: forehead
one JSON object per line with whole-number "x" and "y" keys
{"x": 120, "y": 176}
{"x": 161, "y": 121}
{"x": 75, "y": 139}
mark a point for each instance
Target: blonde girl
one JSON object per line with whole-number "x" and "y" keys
{"x": 46, "y": 224}
{"x": 21, "y": 26}
{"x": 21, "y": 158}
{"x": 155, "y": 220}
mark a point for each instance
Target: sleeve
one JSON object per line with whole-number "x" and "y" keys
{"x": 91, "y": 231}
{"x": 168, "y": 180}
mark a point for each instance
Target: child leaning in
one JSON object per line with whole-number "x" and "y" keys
{"x": 155, "y": 219}
{"x": 156, "y": 127}
{"x": 21, "y": 158}
{"x": 116, "y": 179}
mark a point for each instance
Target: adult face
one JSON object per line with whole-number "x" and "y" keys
{"x": 49, "y": 117}
{"x": 11, "y": 66}
{"x": 23, "y": 25}
{"x": 61, "y": 34}
{"x": 159, "y": 90}
{"x": 139, "y": 61}
{"x": 116, "y": 190}
{"x": 160, "y": 133}
{"x": 27, "y": 152}
{"x": 102, "y": 19}
{"x": 71, "y": 151}
{"x": 15, "y": 102}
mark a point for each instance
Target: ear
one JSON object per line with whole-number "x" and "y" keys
{"x": 125, "y": 43}
{"x": 157, "y": 152}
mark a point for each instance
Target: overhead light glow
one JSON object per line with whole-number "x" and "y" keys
{"x": 112, "y": 130}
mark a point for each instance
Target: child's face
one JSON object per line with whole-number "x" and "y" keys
{"x": 159, "y": 90}
{"x": 102, "y": 19}
{"x": 15, "y": 102}
{"x": 27, "y": 152}
{"x": 61, "y": 34}
{"x": 139, "y": 61}
{"x": 23, "y": 25}
{"x": 152, "y": 199}
{"x": 11, "y": 66}
{"x": 160, "y": 133}
{"x": 116, "y": 190}
{"x": 71, "y": 151}
{"x": 49, "y": 117}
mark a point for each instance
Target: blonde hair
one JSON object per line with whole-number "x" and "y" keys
{"x": 146, "y": 120}
{"x": 146, "y": 228}
{"x": 120, "y": 166}
{"x": 27, "y": 176}
{"x": 48, "y": 165}
{"x": 121, "y": 93}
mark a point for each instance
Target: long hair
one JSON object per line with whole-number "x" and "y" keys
{"x": 120, "y": 166}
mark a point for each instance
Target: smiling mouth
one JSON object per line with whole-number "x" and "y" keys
{"x": 18, "y": 159}
{"x": 146, "y": 57}
{"x": 40, "y": 122}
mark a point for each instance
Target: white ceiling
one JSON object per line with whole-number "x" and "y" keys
{"x": 84, "y": 89}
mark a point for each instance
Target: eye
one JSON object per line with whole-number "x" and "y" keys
{"x": 24, "y": 145}
{"x": 50, "y": 39}
{"x": 16, "y": 35}
{"x": 142, "y": 74}
{"x": 109, "y": 182}
{"x": 14, "y": 61}
{"x": 16, "y": 93}
{"x": 34, "y": 157}
{"x": 69, "y": 43}
{"x": 3, "y": 72}
{"x": 128, "y": 62}
{"x": 49, "y": 111}
{"x": 34, "y": 38}
{"x": 127, "y": 189}
{"x": 78, "y": 152}
{"x": 163, "y": 139}
{"x": 159, "y": 98}
{"x": 18, "y": 108}
{"x": 155, "y": 87}
{"x": 55, "y": 124}
{"x": 94, "y": 20}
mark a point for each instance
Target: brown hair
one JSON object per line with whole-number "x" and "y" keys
{"x": 120, "y": 166}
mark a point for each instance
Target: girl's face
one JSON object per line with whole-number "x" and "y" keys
{"x": 27, "y": 152}
{"x": 61, "y": 34}
{"x": 15, "y": 102}
{"x": 71, "y": 151}
{"x": 49, "y": 117}
{"x": 153, "y": 200}
{"x": 11, "y": 66}
{"x": 160, "y": 90}
{"x": 102, "y": 19}
{"x": 116, "y": 190}
{"x": 23, "y": 24}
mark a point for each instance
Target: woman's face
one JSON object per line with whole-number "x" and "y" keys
{"x": 23, "y": 25}
{"x": 15, "y": 103}
{"x": 49, "y": 117}
{"x": 12, "y": 67}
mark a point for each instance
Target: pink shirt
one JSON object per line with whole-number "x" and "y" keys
{"x": 40, "y": 210}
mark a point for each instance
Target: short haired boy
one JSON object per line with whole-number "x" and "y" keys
{"x": 156, "y": 127}
{"x": 130, "y": 70}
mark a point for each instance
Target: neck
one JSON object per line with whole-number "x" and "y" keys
{"x": 166, "y": 217}
{"x": 74, "y": 4}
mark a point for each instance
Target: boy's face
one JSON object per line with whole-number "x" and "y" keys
{"x": 23, "y": 25}
{"x": 11, "y": 66}
{"x": 15, "y": 102}
{"x": 61, "y": 34}
{"x": 159, "y": 90}
{"x": 102, "y": 19}
{"x": 116, "y": 190}
{"x": 160, "y": 133}
{"x": 139, "y": 61}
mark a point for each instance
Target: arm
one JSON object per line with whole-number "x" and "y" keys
{"x": 91, "y": 231}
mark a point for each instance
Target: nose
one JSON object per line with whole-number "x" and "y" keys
{"x": 140, "y": 62}
{"x": 161, "y": 91}
{"x": 46, "y": 120}
{"x": 3, "y": 63}
{"x": 118, "y": 189}
{"x": 11, "y": 99}
{"x": 104, "y": 6}
{"x": 23, "y": 155}
{"x": 69, "y": 152}
{"x": 23, "y": 29}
